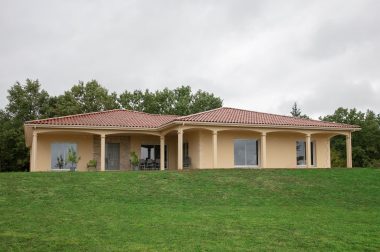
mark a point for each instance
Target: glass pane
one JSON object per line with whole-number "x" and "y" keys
{"x": 251, "y": 152}
{"x": 59, "y": 154}
{"x": 312, "y": 153}
{"x": 239, "y": 152}
{"x": 301, "y": 152}
{"x": 151, "y": 150}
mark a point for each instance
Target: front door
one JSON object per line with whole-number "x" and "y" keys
{"x": 112, "y": 156}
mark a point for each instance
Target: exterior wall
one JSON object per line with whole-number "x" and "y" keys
{"x": 226, "y": 146}
{"x": 281, "y": 150}
{"x": 193, "y": 139}
{"x": 84, "y": 148}
{"x": 205, "y": 150}
{"x": 322, "y": 151}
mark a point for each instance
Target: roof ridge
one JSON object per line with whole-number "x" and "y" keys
{"x": 77, "y": 115}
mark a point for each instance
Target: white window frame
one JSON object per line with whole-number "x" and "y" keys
{"x": 258, "y": 153}
{"x": 313, "y": 142}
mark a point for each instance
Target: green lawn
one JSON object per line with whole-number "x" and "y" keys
{"x": 327, "y": 209}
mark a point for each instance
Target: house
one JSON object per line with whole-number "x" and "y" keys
{"x": 218, "y": 138}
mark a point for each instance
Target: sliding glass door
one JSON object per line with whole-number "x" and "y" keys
{"x": 246, "y": 153}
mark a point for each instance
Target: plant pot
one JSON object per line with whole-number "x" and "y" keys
{"x": 72, "y": 169}
{"x": 91, "y": 168}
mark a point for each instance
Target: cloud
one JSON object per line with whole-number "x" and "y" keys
{"x": 259, "y": 55}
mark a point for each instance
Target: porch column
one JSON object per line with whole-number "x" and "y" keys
{"x": 263, "y": 150}
{"x": 215, "y": 148}
{"x": 308, "y": 151}
{"x": 34, "y": 152}
{"x": 180, "y": 150}
{"x": 349, "y": 150}
{"x": 162, "y": 153}
{"x": 102, "y": 152}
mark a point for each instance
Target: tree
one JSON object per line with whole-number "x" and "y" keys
{"x": 180, "y": 101}
{"x": 27, "y": 102}
{"x": 203, "y": 101}
{"x": 365, "y": 143}
{"x": 85, "y": 98}
{"x": 296, "y": 112}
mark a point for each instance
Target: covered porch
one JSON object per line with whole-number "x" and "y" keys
{"x": 192, "y": 147}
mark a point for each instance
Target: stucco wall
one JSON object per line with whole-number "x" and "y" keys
{"x": 281, "y": 148}
{"x": 84, "y": 149}
{"x": 226, "y": 146}
{"x": 193, "y": 139}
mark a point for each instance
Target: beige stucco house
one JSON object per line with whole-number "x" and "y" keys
{"x": 218, "y": 138}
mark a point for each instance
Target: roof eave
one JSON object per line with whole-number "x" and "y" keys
{"x": 176, "y": 122}
{"x": 90, "y": 127}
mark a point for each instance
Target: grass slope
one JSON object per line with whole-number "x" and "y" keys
{"x": 333, "y": 209}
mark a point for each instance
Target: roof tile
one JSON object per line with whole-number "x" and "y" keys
{"x": 132, "y": 119}
{"x": 110, "y": 118}
{"x": 239, "y": 116}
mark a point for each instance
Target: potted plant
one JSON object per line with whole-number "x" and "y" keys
{"x": 60, "y": 162}
{"x": 91, "y": 165}
{"x": 72, "y": 158}
{"x": 134, "y": 161}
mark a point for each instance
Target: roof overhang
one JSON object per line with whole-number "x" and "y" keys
{"x": 28, "y": 128}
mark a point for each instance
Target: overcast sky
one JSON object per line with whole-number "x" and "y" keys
{"x": 257, "y": 55}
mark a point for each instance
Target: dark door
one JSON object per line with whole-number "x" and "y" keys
{"x": 112, "y": 156}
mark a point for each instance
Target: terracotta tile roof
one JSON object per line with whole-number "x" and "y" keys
{"x": 111, "y": 118}
{"x": 239, "y": 116}
{"x": 133, "y": 119}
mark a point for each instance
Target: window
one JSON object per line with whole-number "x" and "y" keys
{"x": 152, "y": 152}
{"x": 301, "y": 153}
{"x": 185, "y": 150}
{"x": 59, "y": 152}
{"x": 246, "y": 152}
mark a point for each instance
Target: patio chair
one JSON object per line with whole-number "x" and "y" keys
{"x": 157, "y": 163}
{"x": 142, "y": 164}
{"x": 149, "y": 164}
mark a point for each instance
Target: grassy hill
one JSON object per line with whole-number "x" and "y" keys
{"x": 332, "y": 209}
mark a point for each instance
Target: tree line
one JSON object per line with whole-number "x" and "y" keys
{"x": 29, "y": 101}
{"x": 365, "y": 143}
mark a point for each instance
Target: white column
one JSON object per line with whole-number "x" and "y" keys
{"x": 308, "y": 151}
{"x": 349, "y": 150}
{"x": 162, "y": 153}
{"x": 263, "y": 150}
{"x": 103, "y": 152}
{"x": 215, "y": 148}
{"x": 180, "y": 150}
{"x": 33, "y": 165}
